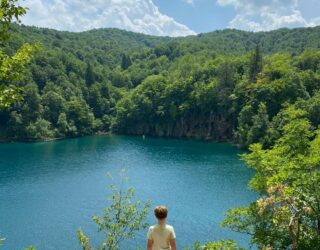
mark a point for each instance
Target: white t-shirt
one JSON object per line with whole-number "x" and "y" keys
{"x": 161, "y": 236}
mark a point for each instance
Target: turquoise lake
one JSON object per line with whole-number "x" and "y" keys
{"x": 48, "y": 190}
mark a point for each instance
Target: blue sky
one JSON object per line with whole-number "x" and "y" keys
{"x": 172, "y": 17}
{"x": 200, "y": 16}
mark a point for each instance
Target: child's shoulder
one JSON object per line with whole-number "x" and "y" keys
{"x": 169, "y": 227}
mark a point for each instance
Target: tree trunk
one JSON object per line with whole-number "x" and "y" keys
{"x": 294, "y": 230}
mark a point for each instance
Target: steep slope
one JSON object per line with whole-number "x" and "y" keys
{"x": 223, "y": 85}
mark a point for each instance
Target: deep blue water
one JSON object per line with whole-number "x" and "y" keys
{"x": 48, "y": 190}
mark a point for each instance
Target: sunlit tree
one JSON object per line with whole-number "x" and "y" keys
{"x": 121, "y": 219}
{"x": 11, "y": 67}
{"x": 287, "y": 176}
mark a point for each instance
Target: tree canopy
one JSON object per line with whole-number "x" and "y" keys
{"x": 227, "y": 85}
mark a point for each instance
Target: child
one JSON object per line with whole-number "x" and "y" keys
{"x": 161, "y": 236}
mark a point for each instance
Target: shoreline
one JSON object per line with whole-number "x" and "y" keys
{"x": 231, "y": 142}
{"x": 21, "y": 140}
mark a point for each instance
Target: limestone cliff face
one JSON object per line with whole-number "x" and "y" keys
{"x": 211, "y": 127}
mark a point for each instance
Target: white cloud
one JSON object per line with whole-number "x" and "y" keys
{"x": 189, "y": 1}
{"x": 314, "y": 21}
{"x": 257, "y": 15}
{"x": 78, "y": 15}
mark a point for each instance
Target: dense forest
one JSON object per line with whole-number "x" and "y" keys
{"x": 260, "y": 90}
{"x": 226, "y": 85}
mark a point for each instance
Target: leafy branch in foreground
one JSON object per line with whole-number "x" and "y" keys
{"x": 9, "y": 11}
{"x": 11, "y": 67}
{"x": 287, "y": 216}
{"x": 217, "y": 245}
{"x": 11, "y": 72}
{"x": 222, "y": 245}
{"x": 120, "y": 221}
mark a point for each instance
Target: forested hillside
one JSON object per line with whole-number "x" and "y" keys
{"x": 226, "y": 85}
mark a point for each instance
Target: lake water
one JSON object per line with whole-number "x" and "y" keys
{"x": 48, "y": 190}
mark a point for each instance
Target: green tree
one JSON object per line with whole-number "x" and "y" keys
{"x": 89, "y": 74}
{"x": 120, "y": 221}
{"x": 31, "y": 107}
{"x": 11, "y": 72}
{"x": 217, "y": 245}
{"x": 287, "y": 176}
{"x": 9, "y": 10}
{"x": 62, "y": 124}
{"x": 255, "y": 66}
{"x": 53, "y": 104}
{"x": 11, "y": 67}
{"x": 125, "y": 61}
{"x": 41, "y": 129}
{"x": 260, "y": 124}
{"x": 15, "y": 125}
{"x": 79, "y": 113}
{"x": 222, "y": 245}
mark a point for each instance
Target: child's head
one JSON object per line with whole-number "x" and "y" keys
{"x": 161, "y": 212}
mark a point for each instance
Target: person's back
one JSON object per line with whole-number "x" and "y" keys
{"x": 161, "y": 236}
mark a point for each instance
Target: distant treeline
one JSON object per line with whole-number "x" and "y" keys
{"x": 226, "y": 85}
